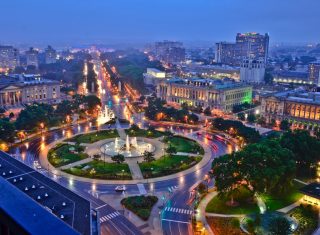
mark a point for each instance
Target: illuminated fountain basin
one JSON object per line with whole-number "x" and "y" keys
{"x": 128, "y": 148}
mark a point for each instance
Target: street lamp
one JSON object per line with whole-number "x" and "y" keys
{"x": 122, "y": 173}
{"x": 42, "y": 127}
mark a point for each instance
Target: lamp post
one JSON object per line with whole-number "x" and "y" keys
{"x": 122, "y": 173}
{"x": 42, "y": 127}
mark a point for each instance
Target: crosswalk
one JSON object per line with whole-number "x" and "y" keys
{"x": 178, "y": 210}
{"x": 173, "y": 188}
{"x": 109, "y": 217}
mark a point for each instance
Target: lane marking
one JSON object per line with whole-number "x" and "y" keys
{"x": 176, "y": 221}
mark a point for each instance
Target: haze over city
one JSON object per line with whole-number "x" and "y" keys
{"x": 160, "y": 117}
{"x": 136, "y": 21}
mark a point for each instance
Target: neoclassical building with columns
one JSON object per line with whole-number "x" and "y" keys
{"x": 299, "y": 107}
{"x": 17, "y": 91}
{"x": 216, "y": 94}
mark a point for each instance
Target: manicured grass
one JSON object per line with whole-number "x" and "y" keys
{"x": 62, "y": 155}
{"x": 223, "y": 226}
{"x": 185, "y": 145}
{"x": 245, "y": 205}
{"x": 101, "y": 170}
{"x": 167, "y": 165}
{"x": 94, "y": 136}
{"x": 145, "y": 133}
{"x": 140, "y": 205}
{"x": 274, "y": 202}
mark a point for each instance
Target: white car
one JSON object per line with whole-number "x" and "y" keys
{"x": 120, "y": 188}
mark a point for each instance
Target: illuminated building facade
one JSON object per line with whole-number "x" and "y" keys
{"x": 153, "y": 76}
{"x": 216, "y": 94}
{"x": 252, "y": 71}
{"x": 16, "y": 91}
{"x": 299, "y": 107}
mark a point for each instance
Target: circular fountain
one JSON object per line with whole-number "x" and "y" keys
{"x": 128, "y": 148}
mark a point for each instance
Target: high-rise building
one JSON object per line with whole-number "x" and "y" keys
{"x": 51, "y": 55}
{"x": 170, "y": 52}
{"x": 253, "y": 45}
{"x": 247, "y": 45}
{"x": 314, "y": 73}
{"x": 252, "y": 71}
{"x": 9, "y": 57}
{"x": 32, "y": 57}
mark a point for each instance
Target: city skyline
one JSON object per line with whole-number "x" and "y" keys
{"x": 60, "y": 22}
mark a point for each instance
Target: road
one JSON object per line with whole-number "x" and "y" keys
{"x": 176, "y": 214}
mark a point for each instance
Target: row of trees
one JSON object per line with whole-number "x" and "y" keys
{"x": 157, "y": 110}
{"x": 236, "y": 128}
{"x": 268, "y": 166}
{"x": 42, "y": 115}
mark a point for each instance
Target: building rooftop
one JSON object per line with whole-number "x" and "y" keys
{"x": 27, "y": 215}
{"x": 64, "y": 205}
{"x": 23, "y": 80}
{"x": 312, "y": 190}
{"x": 220, "y": 84}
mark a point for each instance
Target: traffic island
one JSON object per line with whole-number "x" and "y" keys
{"x": 140, "y": 205}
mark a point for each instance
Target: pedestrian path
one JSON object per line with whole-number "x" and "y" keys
{"x": 142, "y": 189}
{"x": 109, "y": 217}
{"x": 76, "y": 163}
{"x": 134, "y": 169}
{"x": 178, "y": 210}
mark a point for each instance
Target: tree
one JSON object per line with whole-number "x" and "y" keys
{"x": 305, "y": 149}
{"x": 148, "y": 156}
{"x": 11, "y": 115}
{"x": 241, "y": 116}
{"x": 171, "y": 150}
{"x": 251, "y": 118}
{"x": 280, "y": 226}
{"x": 285, "y": 125}
{"x": 118, "y": 158}
{"x": 92, "y": 102}
{"x": 273, "y": 123}
{"x": 7, "y": 131}
{"x": 207, "y": 111}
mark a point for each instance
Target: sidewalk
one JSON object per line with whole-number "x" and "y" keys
{"x": 201, "y": 211}
{"x": 134, "y": 169}
{"x": 76, "y": 163}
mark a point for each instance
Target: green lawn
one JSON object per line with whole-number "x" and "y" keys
{"x": 185, "y": 145}
{"x": 167, "y": 165}
{"x": 94, "y": 136}
{"x": 145, "y": 133}
{"x": 140, "y": 205}
{"x": 245, "y": 206}
{"x": 64, "y": 154}
{"x": 277, "y": 202}
{"x": 101, "y": 170}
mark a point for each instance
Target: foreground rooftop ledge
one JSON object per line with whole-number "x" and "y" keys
{"x": 23, "y": 215}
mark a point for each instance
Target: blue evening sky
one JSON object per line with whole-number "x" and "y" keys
{"x": 110, "y": 21}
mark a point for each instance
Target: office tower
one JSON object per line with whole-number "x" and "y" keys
{"x": 50, "y": 55}
{"x": 32, "y": 57}
{"x": 247, "y": 45}
{"x": 9, "y": 57}
{"x": 170, "y": 52}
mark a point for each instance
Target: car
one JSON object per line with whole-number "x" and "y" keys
{"x": 120, "y": 188}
